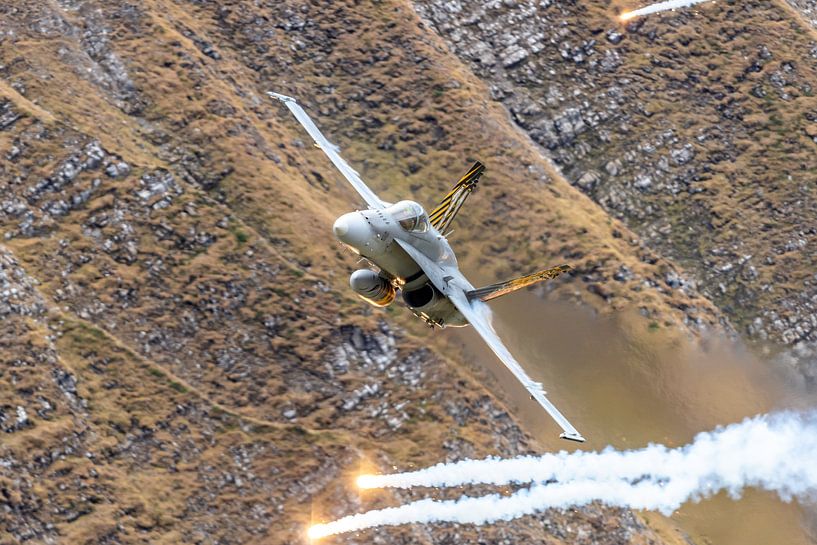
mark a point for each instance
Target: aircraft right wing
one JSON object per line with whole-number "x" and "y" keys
{"x": 331, "y": 150}
{"x": 451, "y": 282}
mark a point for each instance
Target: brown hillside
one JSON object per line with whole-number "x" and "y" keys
{"x": 183, "y": 360}
{"x": 697, "y": 128}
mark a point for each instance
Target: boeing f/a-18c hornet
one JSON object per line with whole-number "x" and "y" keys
{"x": 412, "y": 255}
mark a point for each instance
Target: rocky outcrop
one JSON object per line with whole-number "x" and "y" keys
{"x": 807, "y": 8}
{"x": 692, "y": 127}
{"x": 192, "y": 366}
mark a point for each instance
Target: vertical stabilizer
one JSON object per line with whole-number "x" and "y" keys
{"x": 445, "y": 212}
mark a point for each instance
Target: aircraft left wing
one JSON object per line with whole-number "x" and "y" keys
{"x": 451, "y": 282}
{"x": 331, "y": 151}
{"x": 478, "y": 314}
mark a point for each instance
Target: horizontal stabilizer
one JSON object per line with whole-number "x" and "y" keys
{"x": 503, "y": 288}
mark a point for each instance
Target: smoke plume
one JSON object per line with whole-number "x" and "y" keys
{"x": 776, "y": 453}
{"x": 660, "y": 6}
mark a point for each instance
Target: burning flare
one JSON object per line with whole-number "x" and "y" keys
{"x": 368, "y": 481}
{"x": 317, "y": 531}
{"x": 769, "y": 452}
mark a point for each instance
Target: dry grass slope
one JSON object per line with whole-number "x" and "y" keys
{"x": 697, "y": 128}
{"x": 190, "y": 363}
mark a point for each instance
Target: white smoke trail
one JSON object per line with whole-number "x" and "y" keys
{"x": 777, "y": 453}
{"x": 660, "y": 6}
{"x": 480, "y": 510}
{"x": 764, "y": 445}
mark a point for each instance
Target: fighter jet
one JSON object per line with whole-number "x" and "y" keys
{"x": 409, "y": 253}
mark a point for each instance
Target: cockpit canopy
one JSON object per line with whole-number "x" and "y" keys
{"x": 410, "y": 216}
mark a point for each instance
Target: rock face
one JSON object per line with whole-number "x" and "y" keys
{"x": 692, "y": 127}
{"x": 808, "y": 10}
{"x": 183, "y": 361}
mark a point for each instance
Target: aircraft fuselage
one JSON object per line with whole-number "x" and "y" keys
{"x": 372, "y": 233}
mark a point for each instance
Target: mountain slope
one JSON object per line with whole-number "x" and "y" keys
{"x": 696, "y": 128}
{"x": 187, "y": 362}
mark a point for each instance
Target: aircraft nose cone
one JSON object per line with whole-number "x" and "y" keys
{"x": 341, "y": 226}
{"x": 352, "y": 230}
